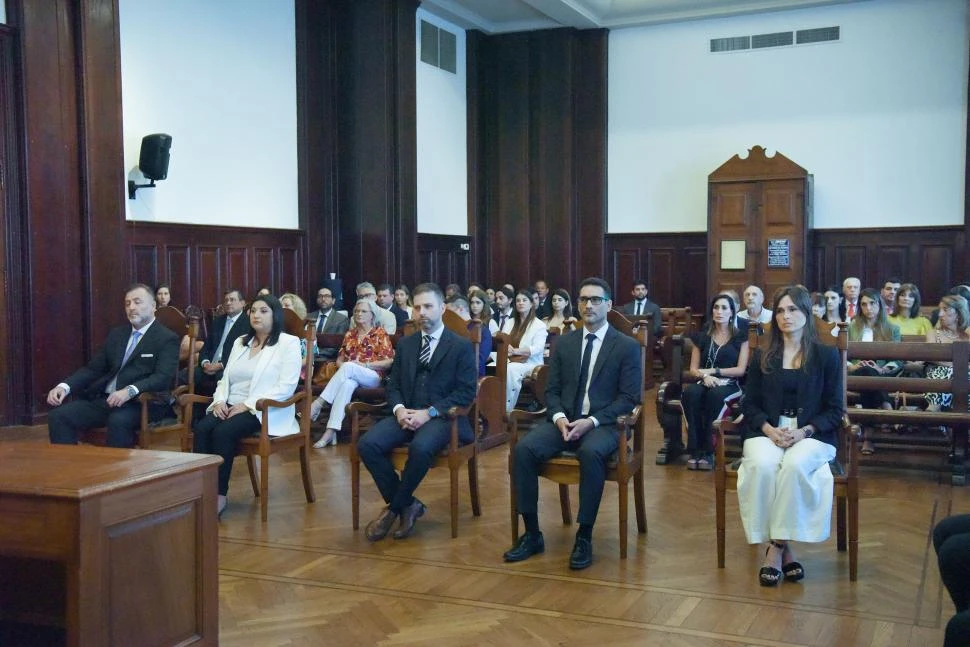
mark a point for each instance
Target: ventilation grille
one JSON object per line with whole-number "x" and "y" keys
{"x": 439, "y": 47}
{"x": 776, "y": 39}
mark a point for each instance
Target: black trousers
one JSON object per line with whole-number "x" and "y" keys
{"x": 66, "y": 422}
{"x": 374, "y": 449}
{"x": 545, "y": 441}
{"x": 870, "y": 399}
{"x": 212, "y": 435}
{"x": 701, "y": 408}
{"x": 951, "y": 539}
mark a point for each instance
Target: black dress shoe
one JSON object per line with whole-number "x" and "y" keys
{"x": 527, "y": 546}
{"x": 582, "y": 555}
{"x": 379, "y": 527}
{"x": 409, "y": 515}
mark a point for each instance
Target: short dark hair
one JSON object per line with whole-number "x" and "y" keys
{"x": 385, "y": 286}
{"x": 637, "y": 282}
{"x": 891, "y": 279}
{"x": 237, "y": 291}
{"x": 422, "y": 288}
{"x": 274, "y": 333}
{"x": 598, "y": 282}
{"x": 325, "y": 287}
{"x": 141, "y": 286}
{"x": 510, "y": 294}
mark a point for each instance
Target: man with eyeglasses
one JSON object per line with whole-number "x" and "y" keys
{"x": 387, "y": 321}
{"x": 594, "y": 377}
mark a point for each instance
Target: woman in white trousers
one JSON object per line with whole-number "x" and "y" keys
{"x": 527, "y": 344}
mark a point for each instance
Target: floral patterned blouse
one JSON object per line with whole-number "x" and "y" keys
{"x": 372, "y": 346}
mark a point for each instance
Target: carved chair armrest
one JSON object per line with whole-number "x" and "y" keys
{"x": 193, "y": 398}
{"x": 517, "y": 415}
{"x": 265, "y": 403}
{"x": 355, "y": 409}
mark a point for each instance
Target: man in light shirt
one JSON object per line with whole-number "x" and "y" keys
{"x": 754, "y": 310}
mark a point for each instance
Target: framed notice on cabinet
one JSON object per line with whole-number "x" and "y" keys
{"x": 732, "y": 254}
{"x": 779, "y": 252}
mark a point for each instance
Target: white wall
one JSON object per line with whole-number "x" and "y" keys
{"x": 221, "y": 79}
{"x": 879, "y": 118}
{"x": 442, "y": 140}
{"x": 3, "y": 11}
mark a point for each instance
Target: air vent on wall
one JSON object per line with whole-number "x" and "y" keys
{"x": 776, "y": 39}
{"x": 439, "y": 47}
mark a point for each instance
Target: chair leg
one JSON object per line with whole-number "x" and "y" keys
{"x": 624, "y": 514}
{"x": 840, "y": 518}
{"x": 640, "y": 501}
{"x": 473, "y": 486}
{"x": 853, "y": 505}
{"x": 264, "y": 487}
{"x": 567, "y": 515}
{"x": 719, "y": 495}
{"x": 252, "y": 474}
{"x": 307, "y": 478}
{"x": 513, "y": 507}
{"x": 355, "y": 489}
{"x": 453, "y": 472}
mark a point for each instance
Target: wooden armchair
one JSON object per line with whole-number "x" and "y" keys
{"x": 844, "y": 471}
{"x": 362, "y": 414}
{"x": 264, "y": 445}
{"x": 563, "y": 469}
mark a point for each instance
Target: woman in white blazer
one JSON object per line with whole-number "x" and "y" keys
{"x": 264, "y": 363}
{"x": 527, "y": 345}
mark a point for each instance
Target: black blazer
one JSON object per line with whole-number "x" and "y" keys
{"x": 240, "y": 328}
{"x": 649, "y": 307}
{"x": 615, "y": 387}
{"x": 819, "y": 395}
{"x": 151, "y": 367}
{"x": 453, "y": 379}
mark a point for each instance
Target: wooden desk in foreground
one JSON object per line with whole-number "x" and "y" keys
{"x": 110, "y": 546}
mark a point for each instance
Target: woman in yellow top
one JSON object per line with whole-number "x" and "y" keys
{"x": 907, "y": 315}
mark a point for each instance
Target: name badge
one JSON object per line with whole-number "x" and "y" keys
{"x": 147, "y": 355}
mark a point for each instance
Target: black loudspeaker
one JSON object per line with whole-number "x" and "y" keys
{"x": 153, "y": 159}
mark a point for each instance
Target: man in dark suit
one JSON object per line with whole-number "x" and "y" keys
{"x": 385, "y": 299}
{"x": 544, "y": 307}
{"x": 641, "y": 306}
{"x": 328, "y": 320}
{"x": 594, "y": 377}
{"x": 432, "y": 372}
{"x": 142, "y": 356}
{"x": 225, "y": 329}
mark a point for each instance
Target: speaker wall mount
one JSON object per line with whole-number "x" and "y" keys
{"x": 152, "y": 161}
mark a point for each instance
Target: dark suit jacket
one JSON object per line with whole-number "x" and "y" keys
{"x": 648, "y": 307}
{"x": 151, "y": 367}
{"x": 615, "y": 387}
{"x": 239, "y": 328}
{"x": 453, "y": 379}
{"x": 337, "y": 323}
{"x": 545, "y": 308}
{"x": 819, "y": 395}
{"x": 400, "y": 315}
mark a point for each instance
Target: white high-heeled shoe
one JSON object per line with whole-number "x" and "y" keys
{"x": 324, "y": 441}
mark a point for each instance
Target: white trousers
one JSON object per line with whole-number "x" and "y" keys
{"x": 785, "y": 493}
{"x": 340, "y": 389}
{"x": 513, "y": 381}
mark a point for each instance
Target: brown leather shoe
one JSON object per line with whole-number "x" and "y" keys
{"x": 408, "y": 517}
{"x": 379, "y": 527}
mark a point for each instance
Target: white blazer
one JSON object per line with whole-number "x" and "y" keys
{"x": 276, "y": 376}
{"x": 534, "y": 339}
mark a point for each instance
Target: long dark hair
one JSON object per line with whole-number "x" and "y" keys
{"x": 881, "y": 330}
{"x": 521, "y": 325}
{"x": 917, "y": 300}
{"x": 567, "y": 311}
{"x": 732, "y": 326}
{"x": 841, "y": 308}
{"x": 776, "y": 341}
{"x": 274, "y": 333}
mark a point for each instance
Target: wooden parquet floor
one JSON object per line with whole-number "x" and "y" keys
{"x": 306, "y": 578}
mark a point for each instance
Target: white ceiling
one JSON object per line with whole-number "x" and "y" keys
{"x": 500, "y": 16}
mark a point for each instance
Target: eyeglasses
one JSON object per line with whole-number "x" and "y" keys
{"x": 594, "y": 300}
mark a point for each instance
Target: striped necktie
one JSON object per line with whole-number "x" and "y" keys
{"x": 425, "y": 355}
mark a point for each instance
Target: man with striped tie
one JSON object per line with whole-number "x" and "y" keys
{"x": 139, "y": 356}
{"x": 433, "y": 371}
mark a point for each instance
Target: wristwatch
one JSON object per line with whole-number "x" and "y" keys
{"x": 132, "y": 392}
{"x": 432, "y": 412}
{"x": 717, "y": 372}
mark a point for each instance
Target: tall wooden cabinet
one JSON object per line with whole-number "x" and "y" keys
{"x": 759, "y": 221}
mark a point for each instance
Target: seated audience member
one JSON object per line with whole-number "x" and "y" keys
{"x": 402, "y": 299}
{"x": 452, "y": 289}
{"x": 956, "y": 290}
{"x": 226, "y": 328}
{"x": 544, "y": 304}
{"x": 594, "y": 377}
{"x": 818, "y": 304}
{"x": 328, "y": 320}
{"x": 951, "y": 539}
{"x": 641, "y": 306}
{"x": 386, "y": 319}
{"x": 907, "y": 316}
{"x": 163, "y": 296}
{"x": 754, "y": 310}
{"x": 459, "y": 305}
{"x": 432, "y": 372}
{"x": 562, "y": 312}
{"x": 792, "y": 410}
{"x": 718, "y": 359}
{"x": 952, "y": 326}
{"x": 292, "y": 302}
{"x": 365, "y": 355}
{"x": 871, "y": 325}
{"x": 479, "y": 310}
{"x": 263, "y": 291}
{"x": 527, "y": 345}
{"x": 139, "y": 356}
{"x": 264, "y": 363}
{"x": 850, "y": 292}
{"x": 491, "y": 295}
{"x": 503, "y": 320}
{"x": 385, "y": 301}
{"x": 474, "y": 285}
{"x": 888, "y": 295}
{"x": 834, "y": 308}
{"x": 509, "y": 287}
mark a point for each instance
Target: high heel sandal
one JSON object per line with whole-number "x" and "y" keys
{"x": 324, "y": 442}
{"x": 793, "y": 570}
{"x": 769, "y": 575}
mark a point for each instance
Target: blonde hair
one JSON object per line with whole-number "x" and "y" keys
{"x": 299, "y": 307}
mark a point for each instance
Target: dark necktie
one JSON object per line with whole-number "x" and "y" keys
{"x": 321, "y": 322}
{"x": 583, "y": 377}
{"x": 501, "y": 322}
{"x": 424, "y": 357}
{"x": 639, "y": 308}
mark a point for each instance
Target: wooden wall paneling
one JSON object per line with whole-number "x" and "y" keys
{"x": 817, "y": 270}
{"x": 237, "y": 267}
{"x": 937, "y": 263}
{"x": 178, "y": 274}
{"x": 264, "y": 272}
{"x": 664, "y": 273}
{"x": 693, "y": 285}
{"x": 625, "y": 269}
{"x": 289, "y": 269}
{"x": 850, "y": 260}
{"x": 210, "y": 266}
{"x": 673, "y": 265}
{"x": 442, "y": 260}
{"x": 479, "y": 265}
{"x": 891, "y": 260}
{"x": 144, "y": 265}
